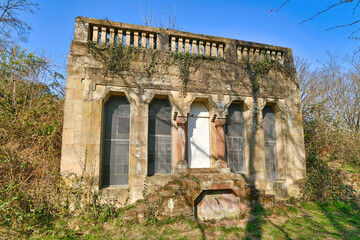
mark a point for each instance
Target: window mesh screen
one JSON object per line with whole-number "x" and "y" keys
{"x": 159, "y": 140}
{"x": 115, "y": 164}
{"x": 234, "y": 139}
{"x": 270, "y": 143}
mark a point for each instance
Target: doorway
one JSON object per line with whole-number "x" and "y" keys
{"x": 198, "y": 136}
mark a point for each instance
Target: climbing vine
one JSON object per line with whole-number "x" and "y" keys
{"x": 118, "y": 58}
{"x": 261, "y": 69}
{"x": 184, "y": 62}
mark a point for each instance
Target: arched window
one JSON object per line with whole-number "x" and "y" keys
{"x": 270, "y": 143}
{"x": 115, "y": 163}
{"x": 235, "y": 138}
{"x": 159, "y": 138}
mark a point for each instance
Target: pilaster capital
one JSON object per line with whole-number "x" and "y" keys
{"x": 220, "y": 122}
{"x": 181, "y": 121}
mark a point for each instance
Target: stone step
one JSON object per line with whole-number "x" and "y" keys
{"x": 202, "y": 171}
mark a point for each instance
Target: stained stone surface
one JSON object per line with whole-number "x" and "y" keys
{"x": 217, "y": 84}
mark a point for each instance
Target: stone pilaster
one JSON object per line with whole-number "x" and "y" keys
{"x": 181, "y": 142}
{"x": 220, "y": 142}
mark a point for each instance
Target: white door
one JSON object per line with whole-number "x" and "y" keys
{"x": 198, "y": 137}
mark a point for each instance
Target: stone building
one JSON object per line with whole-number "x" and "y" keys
{"x": 155, "y": 108}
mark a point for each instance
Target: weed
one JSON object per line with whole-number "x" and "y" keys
{"x": 193, "y": 178}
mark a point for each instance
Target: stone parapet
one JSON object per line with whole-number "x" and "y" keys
{"x": 104, "y": 32}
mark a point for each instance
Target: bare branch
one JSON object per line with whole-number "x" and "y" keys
{"x": 148, "y": 18}
{"x": 286, "y": 2}
{"x": 167, "y": 20}
{"x": 344, "y": 25}
{"x": 357, "y": 5}
{"x": 10, "y": 21}
{"x": 325, "y": 10}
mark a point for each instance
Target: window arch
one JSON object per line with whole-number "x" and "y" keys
{"x": 235, "y": 138}
{"x": 270, "y": 143}
{"x": 116, "y": 143}
{"x": 159, "y": 137}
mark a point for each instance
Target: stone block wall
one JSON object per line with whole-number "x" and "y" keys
{"x": 221, "y": 76}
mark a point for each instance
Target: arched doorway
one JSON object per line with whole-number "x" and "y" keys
{"x": 198, "y": 136}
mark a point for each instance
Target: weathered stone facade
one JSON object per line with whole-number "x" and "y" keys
{"x": 222, "y": 76}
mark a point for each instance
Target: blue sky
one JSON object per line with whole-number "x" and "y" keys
{"x": 250, "y": 20}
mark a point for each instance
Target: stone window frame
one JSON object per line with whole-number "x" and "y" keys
{"x": 247, "y": 105}
{"x": 245, "y": 108}
{"x": 279, "y": 110}
{"x": 107, "y": 96}
{"x": 171, "y": 103}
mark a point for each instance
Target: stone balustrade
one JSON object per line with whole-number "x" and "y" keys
{"x": 104, "y": 32}
{"x": 126, "y": 37}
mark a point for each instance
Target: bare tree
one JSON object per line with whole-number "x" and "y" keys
{"x": 334, "y": 4}
{"x": 10, "y": 21}
{"x": 331, "y": 92}
{"x": 352, "y": 111}
{"x": 168, "y": 19}
{"x": 308, "y": 83}
{"x": 148, "y": 16}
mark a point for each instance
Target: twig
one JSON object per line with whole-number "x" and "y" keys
{"x": 282, "y": 5}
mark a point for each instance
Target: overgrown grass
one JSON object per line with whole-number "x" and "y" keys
{"x": 307, "y": 221}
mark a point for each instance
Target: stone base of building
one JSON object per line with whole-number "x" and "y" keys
{"x": 202, "y": 193}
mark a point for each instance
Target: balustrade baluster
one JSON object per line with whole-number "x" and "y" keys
{"x": 187, "y": 45}
{"x": 112, "y": 35}
{"x": 245, "y": 54}
{"x": 151, "y": 41}
{"x": 143, "y": 40}
{"x": 268, "y": 55}
{"x": 95, "y": 36}
{"x": 180, "y": 45}
{"x": 193, "y": 47}
{"x": 173, "y": 44}
{"x": 239, "y": 53}
{"x": 213, "y": 50}
{"x": 207, "y": 49}
{"x": 128, "y": 38}
{"x": 136, "y": 39}
{"x": 273, "y": 55}
{"x": 257, "y": 55}
{"x": 221, "y": 50}
{"x": 262, "y": 55}
{"x": 201, "y": 48}
{"x": 120, "y": 37}
{"x": 278, "y": 57}
{"x": 252, "y": 55}
{"x": 103, "y": 34}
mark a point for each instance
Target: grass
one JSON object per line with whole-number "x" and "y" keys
{"x": 349, "y": 168}
{"x": 308, "y": 221}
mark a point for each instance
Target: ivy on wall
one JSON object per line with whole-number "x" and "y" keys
{"x": 117, "y": 59}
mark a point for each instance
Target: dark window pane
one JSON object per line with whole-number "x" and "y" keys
{"x": 269, "y": 124}
{"x": 159, "y": 139}
{"x": 235, "y": 121}
{"x": 234, "y": 138}
{"x": 115, "y": 163}
{"x": 270, "y": 143}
